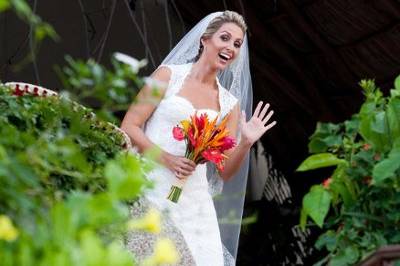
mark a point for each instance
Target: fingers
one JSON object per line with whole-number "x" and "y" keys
{"x": 258, "y": 109}
{"x": 269, "y": 126}
{"x": 183, "y": 172}
{"x": 181, "y": 176}
{"x": 264, "y": 116}
{"x": 184, "y": 167}
{"x": 268, "y": 117}
{"x": 189, "y": 162}
{"x": 263, "y": 111}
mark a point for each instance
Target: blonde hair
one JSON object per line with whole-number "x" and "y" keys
{"x": 214, "y": 25}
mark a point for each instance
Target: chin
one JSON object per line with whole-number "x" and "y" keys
{"x": 222, "y": 66}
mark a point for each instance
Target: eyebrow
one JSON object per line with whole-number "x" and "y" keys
{"x": 238, "y": 39}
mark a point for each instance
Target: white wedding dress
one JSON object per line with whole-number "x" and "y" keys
{"x": 194, "y": 214}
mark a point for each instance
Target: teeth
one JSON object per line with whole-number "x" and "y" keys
{"x": 224, "y": 56}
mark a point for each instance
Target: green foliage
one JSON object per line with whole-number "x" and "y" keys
{"x": 108, "y": 92}
{"x": 64, "y": 182}
{"x": 359, "y": 205}
{"x": 320, "y": 160}
{"x": 316, "y": 204}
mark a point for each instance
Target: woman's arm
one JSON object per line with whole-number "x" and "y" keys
{"x": 250, "y": 131}
{"x": 237, "y": 154}
{"x": 140, "y": 111}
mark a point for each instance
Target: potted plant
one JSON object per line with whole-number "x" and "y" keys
{"x": 358, "y": 206}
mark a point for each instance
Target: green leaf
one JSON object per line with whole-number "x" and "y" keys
{"x": 348, "y": 256}
{"x": 393, "y": 117}
{"x": 320, "y": 160}
{"x": 373, "y": 128}
{"x": 303, "y": 219}
{"x": 316, "y": 204}
{"x": 343, "y": 186}
{"x": 387, "y": 167}
{"x": 124, "y": 176}
{"x": 4, "y": 5}
{"x": 397, "y": 83}
{"x": 118, "y": 255}
{"x": 328, "y": 240}
{"x": 325, "y": 135}
{"x": 378, "y": 124}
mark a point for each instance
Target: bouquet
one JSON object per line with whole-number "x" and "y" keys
{"x": 205, "y": 142}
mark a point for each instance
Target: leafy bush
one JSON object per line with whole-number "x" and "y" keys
{"x": 359, "y": 204}
{"x": 63, "y": 184}
{"x": 108, "y": 92}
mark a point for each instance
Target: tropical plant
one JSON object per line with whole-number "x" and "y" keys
{"x": 358, "y": 206}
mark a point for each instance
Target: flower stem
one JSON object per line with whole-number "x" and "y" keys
{"x": 174, "y": 194}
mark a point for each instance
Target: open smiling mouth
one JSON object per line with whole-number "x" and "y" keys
{"x": 225, "y": 57}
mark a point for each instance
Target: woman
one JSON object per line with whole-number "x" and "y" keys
{"x": 195, "y": 87}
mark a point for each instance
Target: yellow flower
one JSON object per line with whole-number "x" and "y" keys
{"x": 186, "y": 125}
{"x": 164, "y": 253}
{"x": 150, "y": 222}
{"x": 7, "y": 231}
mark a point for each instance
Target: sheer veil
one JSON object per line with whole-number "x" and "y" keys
{"x": 229, "y": 196}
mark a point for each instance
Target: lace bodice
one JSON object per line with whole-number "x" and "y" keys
{"x": 173, "y": 108}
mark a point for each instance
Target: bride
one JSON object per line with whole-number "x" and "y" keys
{"x": 207, "y": 72}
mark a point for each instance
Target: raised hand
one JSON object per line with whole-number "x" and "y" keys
{"x": 258, "y": 124}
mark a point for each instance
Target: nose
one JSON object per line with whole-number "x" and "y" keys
{"x": 230, "y": 48}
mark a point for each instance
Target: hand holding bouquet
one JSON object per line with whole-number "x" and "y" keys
{"x": 205, "y": 141}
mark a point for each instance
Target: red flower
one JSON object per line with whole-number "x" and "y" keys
{"x": 327, "y": 182}
{"x": 191, "y": 137}
{"x": 228, "y": 143}
{"x": 200, "y": 122}
{"x": 178, "y": 133}
{"x": 214, "y": 156}
{"x": 366, "y": 146}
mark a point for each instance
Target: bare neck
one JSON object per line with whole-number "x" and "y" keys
{"x": 202, "y": 72}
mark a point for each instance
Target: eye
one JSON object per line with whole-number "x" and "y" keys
{"x": 224, "y": 37}
{"x": 238, "y": 44}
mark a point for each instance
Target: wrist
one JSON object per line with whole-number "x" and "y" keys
{"x": 246, "y": 143}
{"x": 163, "y": 157}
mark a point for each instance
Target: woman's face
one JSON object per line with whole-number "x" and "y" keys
{"x": 223, "y": 46}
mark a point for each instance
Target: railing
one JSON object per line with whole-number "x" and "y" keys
{"x": 384, "y": 256}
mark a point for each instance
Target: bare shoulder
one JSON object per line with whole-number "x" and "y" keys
{"x": 158, "y": 82}
{"x": 148, "y": 98}
{"x": 163, "y": 74}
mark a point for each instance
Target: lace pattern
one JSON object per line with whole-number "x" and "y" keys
{"x": 141, "y": 244}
